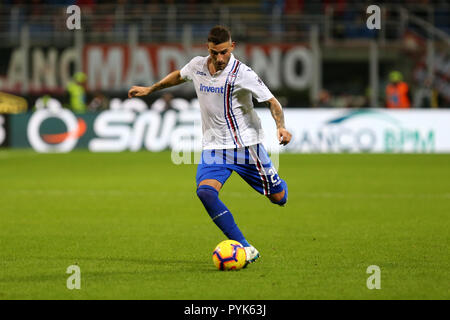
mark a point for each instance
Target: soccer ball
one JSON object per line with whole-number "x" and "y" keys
{"x": 229, "y": 255}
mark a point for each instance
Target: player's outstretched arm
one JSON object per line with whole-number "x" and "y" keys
{"x": 172, "y": 79}
{"x": 284, "y": 136}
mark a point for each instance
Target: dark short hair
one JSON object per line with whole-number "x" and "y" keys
{"x": 219, "y": 34}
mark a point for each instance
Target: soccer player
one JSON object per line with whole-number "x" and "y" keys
{"x": 232, "y": 133}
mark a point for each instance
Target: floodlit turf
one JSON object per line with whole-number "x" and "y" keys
{"x": 134, "y": 226}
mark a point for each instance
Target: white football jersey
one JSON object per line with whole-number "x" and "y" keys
{"x": 228, "y": 117}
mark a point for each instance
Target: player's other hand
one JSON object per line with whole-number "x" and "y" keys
{"x": 136, "y": 91}
{"x": 284, "y": 136}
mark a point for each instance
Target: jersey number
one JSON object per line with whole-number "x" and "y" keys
{"x": 273, "y": 175}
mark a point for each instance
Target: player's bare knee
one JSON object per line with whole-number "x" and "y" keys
{"x": 279, "y": 198}
{"x": 276, "y": 197}
{"x": 206, "y": 192}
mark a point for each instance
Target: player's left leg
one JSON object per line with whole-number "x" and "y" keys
{"x": 255, "y": 167}
{"x": 262, "y": 176}
{"x": 280, "y": 198}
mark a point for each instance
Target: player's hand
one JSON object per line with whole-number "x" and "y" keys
{"x": 136, "y": 91}
{"x": 284, "y": 136}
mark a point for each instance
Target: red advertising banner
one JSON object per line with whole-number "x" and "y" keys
{"x": 116, "y": 67}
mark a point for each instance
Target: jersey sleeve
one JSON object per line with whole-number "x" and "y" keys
{"x": 255, "y": 85}
{"x": 186, "y": 71}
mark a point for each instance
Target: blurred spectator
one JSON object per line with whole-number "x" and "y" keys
{"x": 426, "y": 96}
{"x": 324, "y": 99}
{"x": 163, "y": 104}
{"x": 292, "y": 6}
{"x": 47, "y": 102}
{"x": 397, "y": 92}
{"x": 77, "y": 92}
{"x": 98, "y": 103}
{"x": 168, "y": 102}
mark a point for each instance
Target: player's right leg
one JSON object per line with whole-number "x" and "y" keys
{"x": 210, "y": 178}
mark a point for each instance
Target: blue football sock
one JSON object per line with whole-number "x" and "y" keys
{"x": 220, "y": 214}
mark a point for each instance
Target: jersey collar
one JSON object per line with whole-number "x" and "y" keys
{"x": 230, "y": 63}
{"x": 227, "y": 68}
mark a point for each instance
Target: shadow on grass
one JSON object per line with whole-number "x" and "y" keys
{"x": 173, "y": 263}
{"x": 138, "y": 266}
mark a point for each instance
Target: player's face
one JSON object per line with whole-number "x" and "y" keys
{"x": 220, "y": 53}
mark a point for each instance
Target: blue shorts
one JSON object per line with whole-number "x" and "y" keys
{"x": 251, "y": 163}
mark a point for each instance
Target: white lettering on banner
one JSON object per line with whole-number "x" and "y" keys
{"x": 105, "y": 73}
{"x": 17, "y": 75}
{"x": 359, "y": 132}
{"x": 267, "y": 67}
{"x": 121, "y": 130}
{"x": 115, "y": 67}
{"x": 141, "y": 70}
{"x": 294, "y": 80}
{"x": 152, "y": 121}
{"x": 168, "y": 57}
{"x": 374, "y": 130}
{"x": 68, "y": 57}
{"x": 44, "y": 69}
{"x": 335, "y": 140}
{"x": 113, "y": 129}
{"x": 134, "y": 104}
{"x": 129, "y": 125}
{"x": 365, "y": 140}
{"x": 44, "y": 74}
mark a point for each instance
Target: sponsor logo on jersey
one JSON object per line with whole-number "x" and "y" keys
{"x": 201, "y": 73}
{"x": 211, "y": 89}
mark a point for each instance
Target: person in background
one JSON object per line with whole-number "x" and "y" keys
{"x": 98, "y": 103}
{"x": 324, "y": 99}
{"x": 77, "y": 93}
{"x": 164, "y": 103}
{"x": 426, "y": 96}
{"x": 397, "y": 92}
{"x": 47, "y": 102}
{"x": 168, "y": 102}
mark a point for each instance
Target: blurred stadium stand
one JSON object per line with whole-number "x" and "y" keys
{"x": 252, "y": 21}
{"x": 414, "y": 37}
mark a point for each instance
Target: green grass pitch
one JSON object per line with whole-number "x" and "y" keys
{"x": 133, "y": 224}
